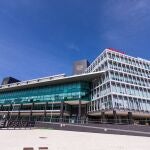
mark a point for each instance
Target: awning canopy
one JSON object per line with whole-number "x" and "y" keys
{"x": 50, "y": 81}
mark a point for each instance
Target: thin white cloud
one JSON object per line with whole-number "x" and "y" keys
{"x": 128, "y": 19}
{"x": 128, "y": 11}
{"x": 73, "y": 47}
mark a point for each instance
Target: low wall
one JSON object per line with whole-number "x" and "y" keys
{"x": 134, "y": 130}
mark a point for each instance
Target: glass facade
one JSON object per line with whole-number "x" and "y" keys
{"x": 67, "y": 92}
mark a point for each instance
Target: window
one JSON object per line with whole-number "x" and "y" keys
{"x": 126, "y": 103}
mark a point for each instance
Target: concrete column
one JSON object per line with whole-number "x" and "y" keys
{"x": 1, "y": 107}
{"x": 10, "y": 111}
{"x": 86, "y": 110}
{"x": 103, "y": 119}
{"x": 19, "y": 111}
{"x": 21, "y": 106}
{"x": 46, "y": 105}
{"x": 115, "y": 116}
{"x": 10, "y": 107}
{"x": 70, "y": 110}
{"x": 62, "y": 111}
{"x": 31, "y": 111}
{"x": 79, "y": 111}
{"x": 119, "y": 119}
{"x": 8, "y": 115}
{"x": 130, "y": 118}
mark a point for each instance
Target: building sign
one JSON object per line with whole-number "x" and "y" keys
{"x": 115, "y": 50}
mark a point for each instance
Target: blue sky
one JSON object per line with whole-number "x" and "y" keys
{"x": 43, "y": 37}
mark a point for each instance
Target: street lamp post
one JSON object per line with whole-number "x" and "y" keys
{"x": 12, "y": 109}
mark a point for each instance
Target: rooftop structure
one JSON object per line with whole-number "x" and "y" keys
{"x": 9, "y": 80}
{"x": 80, "y": 66}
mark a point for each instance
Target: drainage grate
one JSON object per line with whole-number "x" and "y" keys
{"x": 28, "y": 148}
{"x": 43, "y": 148}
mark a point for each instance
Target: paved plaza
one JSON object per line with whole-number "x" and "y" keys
{"x": 68, "y": 140}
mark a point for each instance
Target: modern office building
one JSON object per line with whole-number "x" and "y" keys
{"x": 114, "y": 88}
{"x": 123, "y": 91}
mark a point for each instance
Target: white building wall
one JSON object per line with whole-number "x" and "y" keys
{"x": 125, "y": 85}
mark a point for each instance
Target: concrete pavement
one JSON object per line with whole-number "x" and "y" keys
{"x": 69, "y": 140}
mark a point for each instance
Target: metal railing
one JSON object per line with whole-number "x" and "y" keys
{"x": 96, "y": 121}
{"x": 29, "y": 122}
